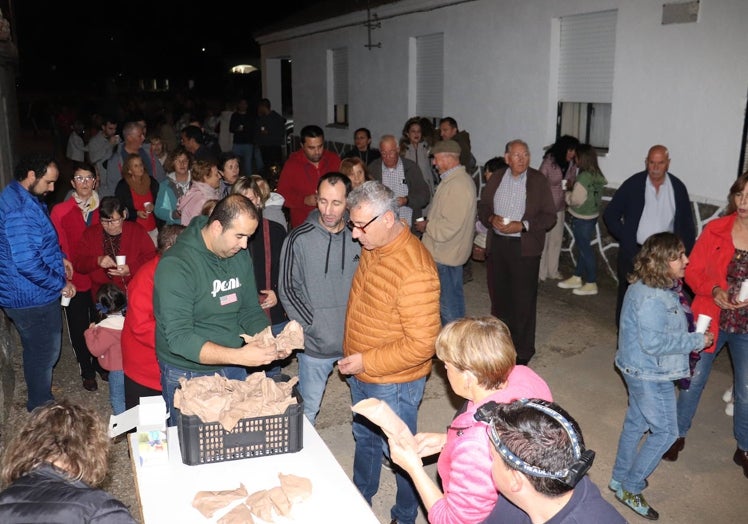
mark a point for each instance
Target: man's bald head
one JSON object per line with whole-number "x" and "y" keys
{"x": 658, "y": 162}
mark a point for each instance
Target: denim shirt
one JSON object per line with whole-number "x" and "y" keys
{"x": 653, "y": 338}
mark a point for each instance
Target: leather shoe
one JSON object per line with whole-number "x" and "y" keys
{"x": 671, "y": 455}
{"x": 103, "y": 374}
{"x": 89, "y": 384}
{"x": 741, "y": 459}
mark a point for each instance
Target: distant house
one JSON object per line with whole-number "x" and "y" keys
{"x": 620, "y": 74}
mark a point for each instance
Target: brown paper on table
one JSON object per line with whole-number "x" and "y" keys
{"x": 208, "y": 502}
{"x": 280, "y": 501}
{"x": 296, "y": 488}
{"x": 260, "y": 504}
{"x": 219, "y": 399}
{"x": 381, "y": 414}
{"x": 239, "y": 515}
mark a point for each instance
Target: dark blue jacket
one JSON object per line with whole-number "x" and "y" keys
{"x": 32, "y": 272}
{"x": 46, "y": 495}
{"x": 625, "y": 210}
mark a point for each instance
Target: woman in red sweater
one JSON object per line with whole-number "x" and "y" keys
{"x": 100, "y": 244}
{"x": 142, "y": 374}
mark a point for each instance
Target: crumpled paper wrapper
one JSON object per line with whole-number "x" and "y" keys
{"x": 208, "y": 502}
{"x": 219, "y": 399}
{"x": 241, "y": 514}
{"x": 292, "y": 337}
{"x": 381, "y": 414}
{"x": 296, "y": 488}
{"x": 260, "y": 505}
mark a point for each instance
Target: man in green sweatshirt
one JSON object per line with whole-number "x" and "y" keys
{"x": 204, "y": 298}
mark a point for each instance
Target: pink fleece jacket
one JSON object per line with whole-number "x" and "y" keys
{"x": 465, "y": 462}
{"x": 104, "y": 341}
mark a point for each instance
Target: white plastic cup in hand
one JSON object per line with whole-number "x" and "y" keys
{"x": 702, "y": 323}
{"x": 420, "y": 219}
{"x": 65, "y": 301}
{"x": 506, "y": 221}
{"x": 743, "y": 295}
{"x": 148, "y": 206}
{"x": 121, "y": 259}
{"x": 564, "y": 184}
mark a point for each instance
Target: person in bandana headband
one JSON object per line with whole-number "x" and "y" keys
{"x": 71, "y": 218}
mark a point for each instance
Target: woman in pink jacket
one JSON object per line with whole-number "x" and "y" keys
{"x": 206, "y": 183}
{"x": 479, "y": 357}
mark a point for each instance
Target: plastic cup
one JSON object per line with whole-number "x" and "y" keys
{"x": 65, "y": 301}
{"x": 564, "y": 184}
{"x": 702, "y": 323}
{"x": 743, "y": 295}
{"x": 148, "y": 207}
{"x": 506, "y": 221}
{"x": 121, "y": 259}
{"x": 420, "y": 219}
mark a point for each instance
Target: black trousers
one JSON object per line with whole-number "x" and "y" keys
{"x": 515, "y": 292}
{"x": 79, "y": 315}
{"x": 134, "y": 390}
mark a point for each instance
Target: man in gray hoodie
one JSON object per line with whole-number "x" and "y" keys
{"x": 318, "y": 261}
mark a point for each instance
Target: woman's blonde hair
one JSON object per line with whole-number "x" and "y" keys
{"x": 651, "y": 264}
{"x": 70, "y": 437}
{"x": 480, "y": 345}
{"x": 254, "y": 183}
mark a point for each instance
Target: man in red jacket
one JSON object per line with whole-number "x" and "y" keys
{"x": 301, "y": 172}
{"x": 142, "y": 374}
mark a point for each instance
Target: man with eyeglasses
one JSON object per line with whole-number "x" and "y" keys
{"x": 71, "y": 218}
{"x": 317, "y": 263}
{"x": 540, "y": 465}
{"x": 402, "y": 176}
{"x": 517, "y": 208}
{"x": 35, "y": 273}
{"x": 390, "y": 328}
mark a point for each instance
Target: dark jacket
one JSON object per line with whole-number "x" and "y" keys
{"x": 540, "y": 211}
{"x": 418, "y": 192}
{"x": 124, "y": 195}
{"x": 47, "y": 496}
{"x": 256, "y": 249}
{"x": 625, "y": 210}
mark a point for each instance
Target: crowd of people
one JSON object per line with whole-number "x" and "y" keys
{"x": 145, "y": 260}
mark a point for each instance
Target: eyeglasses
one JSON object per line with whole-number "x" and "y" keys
{"x": 111, "y": 221}
{"x": 83, "y": 179}
{"x": 353, "y": 226}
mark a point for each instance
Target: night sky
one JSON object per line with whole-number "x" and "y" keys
{"x": 74, "y": 45}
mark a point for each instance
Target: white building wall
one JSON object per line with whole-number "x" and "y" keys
{"x": 682, "y": 85}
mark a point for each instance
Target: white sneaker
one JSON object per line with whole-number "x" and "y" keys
{"x": 729, "y": 408}
{"x": 571, "y": 283}
{"x": 727, "y": 395}
{"x": 590, "y": 288}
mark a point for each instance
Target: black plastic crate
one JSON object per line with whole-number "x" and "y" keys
{"x": 208, "y": 442}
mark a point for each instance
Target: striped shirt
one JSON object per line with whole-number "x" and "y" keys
{"x": 509, "y": 200}
{"x": 395, "y": 179}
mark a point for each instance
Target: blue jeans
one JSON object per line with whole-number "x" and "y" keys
{"x": 170, "y": 376}
{"x": 584, "y": 230}
{"x": 452, "y": 297}
{"x": 688, "y": 400}
{"x": 651, "y": 408}
{"x": 404, "y": 400}
{"x": 40, "y": 330}
{"x": 117, "y": 391}
{"x": 313, "y": 375}
{"x": 246, "y": 151}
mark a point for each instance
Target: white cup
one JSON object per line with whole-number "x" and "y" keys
{"x": 506, "y": 221}
{"x": 65, "y": 301}
{"x": 743, "y": 295}
{"x": 564, "y": 184}
{"x": 702, "y": 323}
{"x": 121, "y": 259}
{"x": 148, "y": 207}
{"x": 420, "y": 219}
